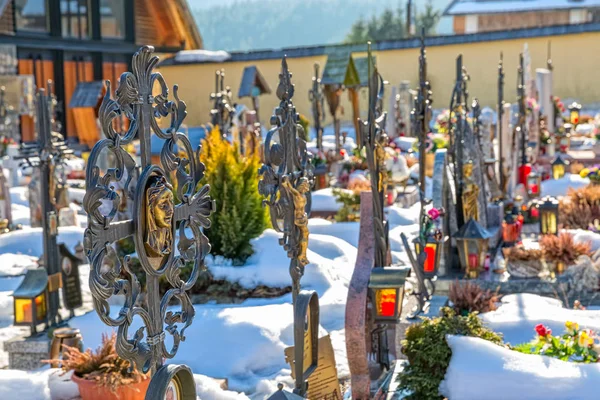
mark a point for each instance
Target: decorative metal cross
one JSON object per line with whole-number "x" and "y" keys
{"x": 421, "y": 117}
{"x": 374, "y": 140}
{"x": 223, "y": 109}
{"x": 317, "y": 99}
{"x": 522, "y": 119}
{"x": 157, "y": 224}
{"x": 459, "y": 110}
{"x": 46, "y": 155}
{"x": 286, "y": 179}
{"x": 499, "y": 124}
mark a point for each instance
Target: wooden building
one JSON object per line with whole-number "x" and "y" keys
{"x": 474, "y": 16}
{"x": 71, "y": 41}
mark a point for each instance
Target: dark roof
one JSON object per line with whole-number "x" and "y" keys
{"x": 469, "y": 7}
{"x": 251, "y": 77}
{"x": 340, "y": 69}
{"x": 472, "y": 230}
{"x": 413, "y": 43}
{"x": 362, "y": 67}
{"x": 87, "y": 94}
{"x": 33, "y": 284}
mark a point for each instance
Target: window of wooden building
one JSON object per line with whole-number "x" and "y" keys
{"x": 41, "y": 66}
{"x": 74, "y": 18}
{"x": 31, "y": 15}
{"x": 77, "y": 68}
{"x": 112, "y": 19}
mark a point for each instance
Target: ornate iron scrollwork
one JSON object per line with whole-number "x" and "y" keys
{"x": 374, "y": 140}
{"x": 317, "y": 99}
{"x": 286, "y": 179}
{"x": 158, "y": 219}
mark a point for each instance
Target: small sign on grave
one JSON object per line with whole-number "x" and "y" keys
{"x": 69, "y": 267}
{"x": 323, "y": 383}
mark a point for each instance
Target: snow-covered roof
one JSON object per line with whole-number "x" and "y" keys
{"x": 465, "y": 7}
{"x": 201, "y": 56}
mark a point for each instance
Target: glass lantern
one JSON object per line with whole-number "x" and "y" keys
{"x": 31, "y": 300}
{"x": 386, "y": 287}
{"x": 574, "y": 113}
{"x": 510, "y": 230}
{"x": 548, "y": 212}
{"x": 433, "y": 251}
{"x": 559, "y": 167}
{"x": 534, "y": 184}
{"x": 472, "y": 241}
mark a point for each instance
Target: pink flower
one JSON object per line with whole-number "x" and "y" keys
{"x": 433, "y": 213}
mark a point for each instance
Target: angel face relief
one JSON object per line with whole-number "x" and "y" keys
{"x": 159, "y": 217}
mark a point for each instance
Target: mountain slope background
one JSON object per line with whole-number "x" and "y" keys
{"x": 239, "y": 25}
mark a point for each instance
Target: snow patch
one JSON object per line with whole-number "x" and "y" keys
{"x": 560, "y": 187}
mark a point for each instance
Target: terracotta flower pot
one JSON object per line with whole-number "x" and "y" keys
{"x": 89, "y": 390}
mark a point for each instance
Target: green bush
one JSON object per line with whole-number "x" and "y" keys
{"x": 240, "y": 215}
{"x": 350, "y": 209}
{"x": 429, "y": 355}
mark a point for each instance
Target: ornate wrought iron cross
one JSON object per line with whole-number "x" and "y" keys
{"x": 317, "y": 99}
{"x": 374, "y": 140}
{"x": 157, "y": 225}
{"x": 522, "y": 120}
{"x": 223, "y": 109}
{"x": 286, "y": 179}
{"x": 46, "y": 155}
{"x": 499, "y": 123}
{"x": 459, "y": 110}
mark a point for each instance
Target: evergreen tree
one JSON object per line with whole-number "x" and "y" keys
{"x": 240, "y": 215}
{"x": 428, "y": 19}
{"x": 358, "y": 32}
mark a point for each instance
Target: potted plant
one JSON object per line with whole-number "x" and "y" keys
{"x": 561, "y": 251}
{"x": 103, "y": 375}
{"x": 523, "y": 262}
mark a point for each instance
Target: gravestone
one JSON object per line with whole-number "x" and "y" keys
{"x": 405, "y": 103}
{"x": 69, "y": 268}
{"x": 392, "y": 123}
{"x": 35, "y": 201}
{"x": 544, "y": 86}
{"x": 444, "y": 196}
{"x": 5, "y": 203}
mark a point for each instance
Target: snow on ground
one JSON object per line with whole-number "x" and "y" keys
{"x": 29, "y": 241}
{"x": 53, "y": 384}
{"x": 560, "y": 187}
{"x": 582, "y": 236}
{"x": 480, "y": 370}
{"x": 15, "y": 264}
{"x": 518, "y": 315}
{"x": 324, "y": 200}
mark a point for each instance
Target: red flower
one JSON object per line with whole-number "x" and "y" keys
{"x": 543, "y": 331}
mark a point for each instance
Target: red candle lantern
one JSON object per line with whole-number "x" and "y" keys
{"x": 386, "y": 287}
{"x": 433, "y": 251}
{"x": 472, "y": 241}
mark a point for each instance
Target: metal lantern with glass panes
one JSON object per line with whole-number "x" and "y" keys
{"x": 534, "y": 184}
{"x": 510, "y": 230}
{"x": 433, "y": 251}
{"x": 387, "y": 293}
{"x": 472, "y": 241}
{"x": 574, "y": 113}
{"x": 563, "y": 138}
{"x": 31, "y": 300}
{"x": 559, "y": 166}
{"x": 548, "y": 211}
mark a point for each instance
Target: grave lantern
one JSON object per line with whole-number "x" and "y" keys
{"x": 281, "y": 394}
{"x": 563, "y": 138}
{"x": 548, "y": 216}
{"x": 574, "y": 112}
{"x": 386, "y": 287}
{"x": 433, "y": 251}
{"x": 510, "y": 230}
{"x": 534, "y": 184}
{"x": 472, "y": 241}
{"x": 31, "y": 299}
{"x": 559, "y": 166}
